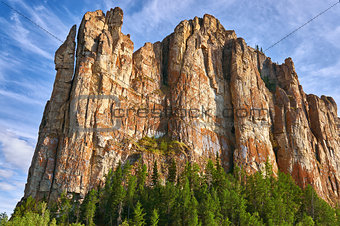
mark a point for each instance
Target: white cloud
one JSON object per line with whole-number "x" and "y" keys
{"x": 22, "y": 36}
{"x": 329, "y": 72}
{"x": 11, "y": 194}
{"x": 333, "y": 36}
{"x": 20, "y": 97}
{"x": 8, "y": 201}
{"x": 21, "y": 129}
{"x": 16, "y": 151}
{"x": 7, "y": 63}
{"x": 6, "y": 173}
{"x": 46, "y": 18}
{"x": 6, "y": 186}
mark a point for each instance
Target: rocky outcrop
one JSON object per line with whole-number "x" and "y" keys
{"x": 201, "y": 85}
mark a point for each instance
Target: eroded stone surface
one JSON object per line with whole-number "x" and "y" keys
{"x": 212, "y": 81}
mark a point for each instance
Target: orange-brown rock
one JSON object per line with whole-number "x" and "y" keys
{"x": 201, "y": 85}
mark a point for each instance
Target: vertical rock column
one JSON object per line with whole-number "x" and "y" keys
{"x": 41, "y": 172}
{"x": 251, "y": 102}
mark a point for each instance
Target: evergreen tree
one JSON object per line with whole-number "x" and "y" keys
{"x": 168, "y": 204}
{"x": 138, "y": 215}
{"x": 209, "y": 173}
{"x": 306, "y": 220}
{"x": 3, "y": 219}
{"x": 317, "y": 208}
{"x": 64, "y": 209}
{"x": 172, "y": 172}
{"x": 29, "y": 205}
{"x": 88, "y": 207}
{"x": 192, "y": 212}
{"x": 184, "y": 203}
{"x": 155, "y": 175}
{"x": 209, "y": 198}
{"x": 141, "y": 176}
{"x": 191, "y": 172}
{"x": 117, "y": 197}
{"x": 132, "y": 184}
{"x": 154, "y": 218}
{"x": 125, "y": 223}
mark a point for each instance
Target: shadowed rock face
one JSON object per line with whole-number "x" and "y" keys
{"x": 225, "y": 98}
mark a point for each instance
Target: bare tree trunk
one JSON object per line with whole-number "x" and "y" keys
{"x": 120, "y": 208}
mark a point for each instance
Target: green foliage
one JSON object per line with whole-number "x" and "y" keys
{"x": 149, "y": 144}
{"x": 258, "y": 49}
{"x": 172, "y": 174}
{"x": 138, "y": 215}
{"x": 154, "y": 218}
{"x": 206, "y": 196}
{"x": 271, "y": 85}
{"x": 317, "y": 209}
{"x": 141, "y": 177}
{"x": 155, "y": 175}
{"x": 30, "y": 205}
{"x": 162, "y": 145}
{"x": 39, "y": 215}
{"x": 88, "y": 208}
{"x": 64, "y": 209}
{"x": 3, "y": 219}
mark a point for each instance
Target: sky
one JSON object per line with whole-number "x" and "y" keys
{"x": 27, "y": 52}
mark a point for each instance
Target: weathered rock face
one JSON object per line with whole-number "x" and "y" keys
{"x": 201, "y": 85}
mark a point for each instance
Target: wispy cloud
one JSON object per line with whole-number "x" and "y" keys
{"x": 15, "y": 156}
{"x": 44, "y": 17}
{"x": 22, "y": 36}
{"x": 6, "y": 173}
{"x": 333, "y": 36}
{"x": 20, "y": 97}
{"x": 6, "y": 186}
{"x": 11, "y": 190}
{"x": 21, "y": 129}
{"x": 16, "y": 151}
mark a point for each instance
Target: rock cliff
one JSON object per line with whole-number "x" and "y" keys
{"x": 201, "y": 85}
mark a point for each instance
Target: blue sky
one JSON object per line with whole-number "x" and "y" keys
{"x": 27, "y": 68}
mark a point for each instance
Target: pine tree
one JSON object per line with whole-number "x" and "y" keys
{"x": 306, "y": 220}
{"x": 210, "y": 198}
{"x": 192, "y": 212}
{"x": 184, "y": 202}
{"x": 132, "y": 184}
{"x": 88, "y": 207}
{"x": 154, "y": 218}
{"x": 138, "y": 215}
{"x": 318, "y": 209}
{"x": 141, "y": 176}
{"x": 3, "y": 219}
{"x": 172, "y": 172}
{"x": 209, "y": 172}
{"x": 125, "y": 223}
{"x": 118, "y": 195}
{"x": 155, "y": 175}
{"x": 29, "y": 205}
{"x": 168, "y": 204}
{"x": 112, "y": 197}
{"x": 191, "y": 172}
{"x": 64, "y": 209}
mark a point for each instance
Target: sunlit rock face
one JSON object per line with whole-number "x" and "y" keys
{"x": 201, "y": 85}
